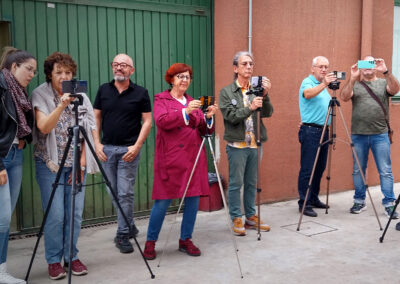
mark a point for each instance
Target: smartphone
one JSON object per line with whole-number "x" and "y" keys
{"x": 366, "y": 64}
{"x": 74, "y": 86}
{"x": 256, "y": 81}
{"x": 340, "y": 75}
{"x": 206, "y": 101}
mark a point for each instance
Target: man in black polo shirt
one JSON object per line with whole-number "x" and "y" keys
{"x": 123, "y": 111}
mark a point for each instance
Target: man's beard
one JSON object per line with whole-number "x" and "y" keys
{"x": 120, "y": 78}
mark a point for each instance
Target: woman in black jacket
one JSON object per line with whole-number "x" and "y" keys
{"x": 18, "y": 67}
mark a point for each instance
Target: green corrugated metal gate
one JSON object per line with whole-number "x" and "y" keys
{"x": 155, "y": 33}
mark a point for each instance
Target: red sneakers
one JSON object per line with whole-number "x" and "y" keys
{"x": 188, "y": 247}
{"x": 149, "y": 250}
{"x": 56, "y": 271}
{"x": 78, "y": 268}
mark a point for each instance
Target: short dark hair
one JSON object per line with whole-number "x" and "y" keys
{"x": 177, "y": 68}
{"x": 63, "y": 59}
{"x": 12, "y": 55}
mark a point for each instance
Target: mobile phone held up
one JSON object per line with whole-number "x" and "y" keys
{"x": 366, "y": 64}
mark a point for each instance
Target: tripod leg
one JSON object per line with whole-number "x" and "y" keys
{"x": 225, "y": 207}
{"x": 332, "y": 138}
{"x": 314, "y": 166}
{"x": 359, "y": 166}
{"x": 328, "y": 176}
{"x": 390, "y": 219}
{"x": 46, "y": 213}
{"x": 258, "y": 174}
{"x": 76, "y": 187}
{"x": 182, "y": 199}
{"x": 92, "y": 150}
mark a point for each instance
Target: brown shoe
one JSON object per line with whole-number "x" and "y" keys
{"x": 252, "y": 223}
{"x": 238, "y": 227}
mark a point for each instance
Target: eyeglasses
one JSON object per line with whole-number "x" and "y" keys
{"x": 122, "y": 65}
{"x": 29, "y": 68}
{"x": 244, "y": 64}
{"x": 183, "y": 77}
{"x": 326, "y": 67}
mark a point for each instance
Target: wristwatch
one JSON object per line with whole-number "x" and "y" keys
{"x": 83, "y": 169}
{"x": 387, "y": 71}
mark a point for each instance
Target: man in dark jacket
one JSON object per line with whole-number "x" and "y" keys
{"x": 239, "y": 106}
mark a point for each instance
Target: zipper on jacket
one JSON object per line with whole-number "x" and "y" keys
{"x": 2, "y": 99}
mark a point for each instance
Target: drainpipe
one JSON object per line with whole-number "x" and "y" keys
{"x": 250, "y": 20}
{"x": 366, "y": 28}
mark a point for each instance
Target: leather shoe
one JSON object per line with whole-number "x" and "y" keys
{"x": 319, "y": 204}
{"x": 308, "y": 211}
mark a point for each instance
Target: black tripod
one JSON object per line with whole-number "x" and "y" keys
{"x": 73, "y": 135}
{"x": 207, "y": 137}
{"x": 390, "y": 219}
{"x": 258, "y": 91}
{"x": 332, "y": 142}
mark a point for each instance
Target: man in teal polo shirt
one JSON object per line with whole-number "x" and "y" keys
{"x": 313, "y": 102}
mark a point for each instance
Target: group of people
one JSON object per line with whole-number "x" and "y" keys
{"x": 120, "y": 121}
{"x": 370, "y": 129}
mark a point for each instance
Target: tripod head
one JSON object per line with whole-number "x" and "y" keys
{"x": 335, "y": 85}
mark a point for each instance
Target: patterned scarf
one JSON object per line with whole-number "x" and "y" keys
{"x": 21, "y": 102}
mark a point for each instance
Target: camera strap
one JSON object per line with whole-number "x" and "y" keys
{"x": 375, "y": 97}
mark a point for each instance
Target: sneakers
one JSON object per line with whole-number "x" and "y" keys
{"x": 358, "y": 208}
{"x": 389, "y": 210}
{"x": 149, "y": 250}
{"x": 188, "y": 247}
{"x": 134, "y": 232}
{"x": 78, "y": 268}
{"x": 5, "y": 277}
{"x": 122, "y": 242}
{"x": 238, "y": 227}
{"x": 252, "y": 223}
{"x": 56, "y": 271}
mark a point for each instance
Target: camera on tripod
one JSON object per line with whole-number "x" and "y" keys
{"x": 73, "y": 87}
{"x": 340, "y": 75}
{"x": 256, "y": 83}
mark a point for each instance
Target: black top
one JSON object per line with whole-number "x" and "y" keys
{"x": 121, "y": 114}
{"x": 9, "y": 121}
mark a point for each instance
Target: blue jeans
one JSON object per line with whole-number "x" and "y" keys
{"x": 57, "y": 227}
{"x": 9, "y": 195}
{"x": 158, "y": 213}
{"x": 122, "y": 176}
{"x": 242, "y": 171}
{"x": 309, "y": 138}
{"x": 380, "y": 146}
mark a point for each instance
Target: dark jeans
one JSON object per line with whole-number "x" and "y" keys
{"x": 309, "y": 138}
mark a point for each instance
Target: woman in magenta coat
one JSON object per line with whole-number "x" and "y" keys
{"x": 180, "y": 124}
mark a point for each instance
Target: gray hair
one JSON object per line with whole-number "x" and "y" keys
{"x": 236, "y": 59}
{"x": 315, "y": 59}
{"x": 240, "y": 54}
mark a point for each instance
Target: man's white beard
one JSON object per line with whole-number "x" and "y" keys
{"x": 120, "y": 78}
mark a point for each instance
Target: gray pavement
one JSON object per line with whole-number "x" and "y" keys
{"x": 338, "y": 247}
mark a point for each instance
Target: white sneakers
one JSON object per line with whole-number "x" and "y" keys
{"x": 6, "y": 278}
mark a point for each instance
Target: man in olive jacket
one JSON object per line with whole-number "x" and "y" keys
{"x": 239, "y": 106}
